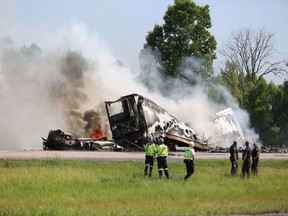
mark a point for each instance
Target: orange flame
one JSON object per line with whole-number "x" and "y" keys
{"x": 97, "y": 132}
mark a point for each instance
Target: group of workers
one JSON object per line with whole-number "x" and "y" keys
{"x": 156, "y": 149}
{"x": 247, "y": 155}
{"x": 160, "y": 152}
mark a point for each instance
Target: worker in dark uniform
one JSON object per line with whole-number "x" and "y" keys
{"x": 234, "y": 158}
{"x": 189, "y": 160}
{"x": 162, "y": 153}
{"x": 255, "y": 159}
{"x": 150, "y": 150}
{"x": 246, "y": 157}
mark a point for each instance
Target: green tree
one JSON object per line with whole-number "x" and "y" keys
{"x": 275, "y": 95}
{"x": 272, "y": 135}
{"x": 284, "y": 105}
{"x": 183, "y": 35}
{"x": 229, "y": 78}
{"x": 256, "y": 101}
{"x": 284, "y": 113}
{"x": 264, "y": 102}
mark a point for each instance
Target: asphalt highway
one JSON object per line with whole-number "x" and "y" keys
{"x": 115, "y": 156}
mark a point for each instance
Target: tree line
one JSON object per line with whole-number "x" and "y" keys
{"x": 184, "y": 50}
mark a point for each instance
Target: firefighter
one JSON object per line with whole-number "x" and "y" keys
{"x": 234, "y": 158}
{"x": 162, "y": 153}
{"x": 150, "y": 150}
{"x": 246, "y": 157}
{"x": 255, "y": 159}
{"x": 189, "y": 160}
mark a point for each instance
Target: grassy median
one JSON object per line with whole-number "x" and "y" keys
{"x": 56, "y": 187}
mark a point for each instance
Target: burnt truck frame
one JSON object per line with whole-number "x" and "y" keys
{"x": 133, "y": 117}
{"x": 59, "y": 140}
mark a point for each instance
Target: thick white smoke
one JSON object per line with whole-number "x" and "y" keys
{"x": 58, "y": 87}
{"x": 193, "y": 106}
{"x": 68, "y": 81}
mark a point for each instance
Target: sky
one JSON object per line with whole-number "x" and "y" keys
{"x": 82, "y": 42}
{"x": 123, "y": 25}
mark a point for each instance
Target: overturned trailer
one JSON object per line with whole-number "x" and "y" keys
{"x": 133, "y": 117}
{"x": 227, "y": 129}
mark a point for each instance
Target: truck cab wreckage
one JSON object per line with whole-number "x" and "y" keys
{"x": 133, "y": 117}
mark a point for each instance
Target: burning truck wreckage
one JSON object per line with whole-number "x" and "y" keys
{"x": 132, "y": 118}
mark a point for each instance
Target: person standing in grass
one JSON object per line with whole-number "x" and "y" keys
{"x": 189, "y": 160}
{"x": 162, "y": 153}
{"x": 246, "y": 157}
{"x": 150, "y": 150}
{"x": 255, "y": 159}
{"x": 234, "y": 158}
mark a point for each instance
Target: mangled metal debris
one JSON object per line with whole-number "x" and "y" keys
{"x": 59, "y": 140}
{"x": 133, "y": 117}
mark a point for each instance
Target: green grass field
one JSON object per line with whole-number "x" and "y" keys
{"x": 56, "y": 187}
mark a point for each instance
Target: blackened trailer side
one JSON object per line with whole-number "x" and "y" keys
{"x": 133, "y": 117}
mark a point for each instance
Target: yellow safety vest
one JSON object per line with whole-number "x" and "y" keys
{"x": 162, "y": 150}
{"x": 150, "y": 149}
{"x": 188, "y": 155}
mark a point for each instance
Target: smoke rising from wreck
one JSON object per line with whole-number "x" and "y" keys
{"x": 193, "y": 104}
{"x": 65, "y": 87}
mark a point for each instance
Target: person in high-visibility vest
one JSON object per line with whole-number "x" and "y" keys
{"x": 162, "y": 153}
{"x": 150, "y": 150}
{"x": 189, "y": 160}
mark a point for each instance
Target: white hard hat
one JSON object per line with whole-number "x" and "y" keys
{"x": 191, "y": 144}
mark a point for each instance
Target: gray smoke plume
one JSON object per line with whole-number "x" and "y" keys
{"x": 67, "y": 92}
{"x": 92, "y": 118}
{"x": 65, "y": 85}
{"x": 36, "y": 92}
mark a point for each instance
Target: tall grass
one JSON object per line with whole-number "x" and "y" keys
{"x": 56, "y": 187}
